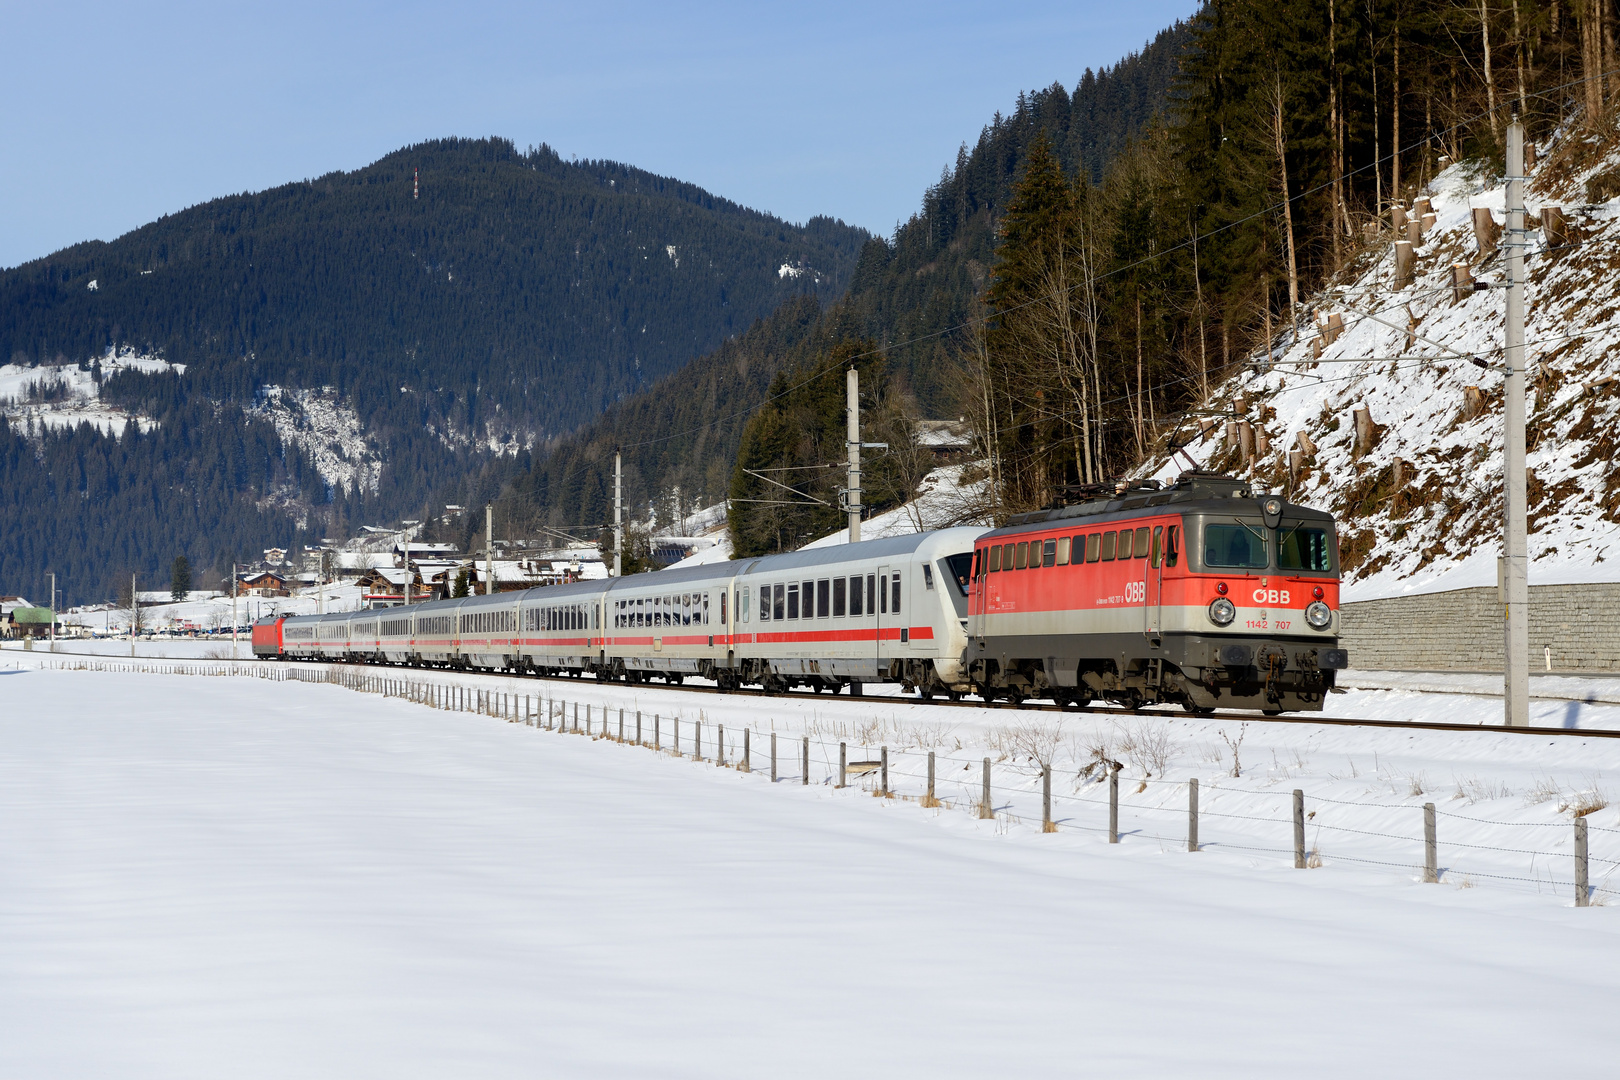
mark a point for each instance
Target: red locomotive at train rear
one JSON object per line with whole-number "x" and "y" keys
{"x": 1203, "y": 594}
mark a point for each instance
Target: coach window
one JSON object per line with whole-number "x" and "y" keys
{"x": 793, "y": 600}
{"x": 778, "y": 601}
{"x": 1049, "y": 553}
{"x": 895, "y": 588}
{"x": 1063, "y": 551}
{"x": 871, "y": 594}
{"x": 764, "y": 603}
{"x": 808, "y": 591}
{"x": 824, "y": 598}
{"x": 1021, "y": 560}
{"x": 855, "y": 608}
{"x": 705, "y": 609}
{"x": 1142, "y": 542}
{"x": 928, "y": 577}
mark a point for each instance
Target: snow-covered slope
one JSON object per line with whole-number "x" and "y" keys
{"x": 65, "y": 396}
{"x": 1421, "y": 502}
{"x": 326, "y": 428}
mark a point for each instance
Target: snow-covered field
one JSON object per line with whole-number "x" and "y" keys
{"x": 207, "y": 876}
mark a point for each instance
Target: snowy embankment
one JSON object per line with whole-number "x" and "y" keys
{"x": 224, "y": 875}
{"x": 1419, "y": 492}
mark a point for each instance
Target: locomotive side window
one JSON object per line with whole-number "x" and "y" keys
{"x": 1300, "y": 548}
{"x": 1049, "y": 552}
{"x": 1007, "y": 555}
{"x": 1063, "y": 551}
{"x": 855, "y": 608}
{"x": 1234, "y": 545}
{"x": 1125, "y": 542}
{"x": 1142, "y": 542}
{"x": 839, "y": 586}
{"x": 1022, "y": 558}
{"x": 1158, "y": 545}
{"x": 1171, "y": 545}
{"x": 1108, "y": 539}
{"x": 995, "y": 558}
{"x": 1093, "y": 547}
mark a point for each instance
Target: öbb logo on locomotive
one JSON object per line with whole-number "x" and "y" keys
{"x": 1203, "y": 594}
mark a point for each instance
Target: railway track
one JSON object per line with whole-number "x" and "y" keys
{"x": 1164, "y": 713}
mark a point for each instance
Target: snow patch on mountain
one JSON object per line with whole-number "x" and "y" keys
{"x": 34, "y": 398}
{"x": 325, "y": 428}
{"x": 1419, "y": 493}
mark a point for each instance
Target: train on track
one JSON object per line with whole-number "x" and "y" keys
{"x": 1203, "y": 594}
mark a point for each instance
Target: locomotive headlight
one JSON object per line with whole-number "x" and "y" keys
{"x": 1318, "y": 615}
{"x": 1221, "y": 612}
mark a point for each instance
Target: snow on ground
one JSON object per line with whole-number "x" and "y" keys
{"x": 268, "y": 879}
{"x": 213, "y": 611}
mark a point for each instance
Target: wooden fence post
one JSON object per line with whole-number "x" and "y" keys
{"x": 931, "y": 801}
{"x": 883, "y": 768}
{"x": 1192, "y": 814}
{"x": 658, "y": 743}
{"x": 746, "y": 765}
{"x": 1113, "y": 803}
{"x": 1582, "y": 884}
{"x": 805, "y": 779}
{"x": 985, "y": 809}
{"x": 1047, "y": 824}
{"x": 621, "y": 725}
{"x": 773, "y": 757}
{"x": 638, "y": 727}
{"x": 1299, "y": 829}
{"x": 697, "y": 740}
{"x": 1431, "y": 854}
{"x": 843, "y": 762}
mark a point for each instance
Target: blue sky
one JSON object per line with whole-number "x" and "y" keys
{"x": 117, "y": 113}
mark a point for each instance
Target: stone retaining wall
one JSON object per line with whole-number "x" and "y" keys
{"x": 1462, "y": 630}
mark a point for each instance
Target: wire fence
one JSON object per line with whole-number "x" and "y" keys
{"x": 1324, "y": 831}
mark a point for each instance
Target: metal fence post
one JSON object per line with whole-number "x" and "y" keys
{"x": 883, "y": 756}
{"x": 1299, "y": 829}
{"x": 1047, "y": 824}
{"x": 1192, "y": 814}
{"x": 805, "y": 779}
{"x": 773, "y": 757}
{"x": 1583, "y": 895}
{"x": 843, "y": 760}
{"x": 1431, "y": 854}
{"x": 1113, "y": 803}
{"x": 985, "y": 810}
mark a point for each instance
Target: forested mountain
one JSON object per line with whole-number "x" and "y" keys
{"x": 1074, "y": 291}
{"x": 454, "y": 299}
{"x": 914, "y": 286}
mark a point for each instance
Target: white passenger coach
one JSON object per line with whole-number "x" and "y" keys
{"x": 889, "y": 610}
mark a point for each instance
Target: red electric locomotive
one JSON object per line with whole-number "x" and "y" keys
{"x": 1203, "y": 594}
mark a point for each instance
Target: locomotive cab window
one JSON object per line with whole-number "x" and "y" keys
{"x": 1238, "y": 546}
{"x": 1301, "y": 548}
